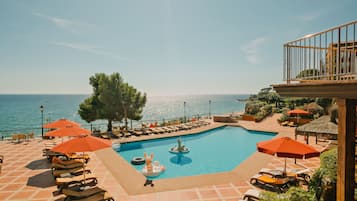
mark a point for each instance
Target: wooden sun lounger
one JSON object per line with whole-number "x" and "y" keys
{"x": 277, "y": 184}
{"x": 58, "y": 166}
{"x": 99, "y": 196}
{"x": 62, "y": 182}
{"x": 91, "y": 194}
{"x": 73, "y": 156}
{"x": 251, "y": 194}
{"x": 75, "y": 170}
{"x": 55, "y": 159}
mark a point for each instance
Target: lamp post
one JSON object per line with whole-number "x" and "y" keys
{"x": 41, "y": 108}
{"x": 184, "y": 111}
{"x": 209, "y": 109}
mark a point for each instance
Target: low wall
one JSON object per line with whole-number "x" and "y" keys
{"x": 246, "y": 117}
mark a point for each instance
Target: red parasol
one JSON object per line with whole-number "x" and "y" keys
{"x": 298, "y": 112}
{"x": 288, "y": 148}
{"x": 72, "y": 131}
{"x": 61, "y": 123}
{"x": 82, "y": 144}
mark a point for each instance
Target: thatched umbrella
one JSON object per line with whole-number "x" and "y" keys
{"x": 313, "y": 108}
{"x": 320, "y": 126}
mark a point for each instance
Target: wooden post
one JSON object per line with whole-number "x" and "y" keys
{"x": 346, "y": 149}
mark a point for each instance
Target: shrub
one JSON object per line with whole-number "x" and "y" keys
{"x": 323, "y": 181}
{"x": 293, "y": 194}
{"x": 253, "y": 107}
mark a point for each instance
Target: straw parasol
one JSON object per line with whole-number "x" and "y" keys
{"x": 320, "y": 126}
{"x": 287, "y": 148}
{"x": 313, "y": 107}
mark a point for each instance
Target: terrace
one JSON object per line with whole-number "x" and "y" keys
{"x": 324, "y": 64}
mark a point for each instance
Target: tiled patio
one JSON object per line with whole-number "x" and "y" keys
{"x": 26, "y": 174}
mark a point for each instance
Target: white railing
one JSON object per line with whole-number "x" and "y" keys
{"x": 328, "y": 55}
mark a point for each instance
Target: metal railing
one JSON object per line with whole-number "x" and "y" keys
{"x": 329, "y": 55}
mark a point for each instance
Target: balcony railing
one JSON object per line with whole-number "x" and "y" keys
{"x": 330, "y": 55}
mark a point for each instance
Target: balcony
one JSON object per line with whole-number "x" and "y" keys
{"x": 325, "y": 62}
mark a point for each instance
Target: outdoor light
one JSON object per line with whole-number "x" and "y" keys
{"x": 209, "y": 109}
{"x": 41, "y": 109}
{"x": 184, "y": 111}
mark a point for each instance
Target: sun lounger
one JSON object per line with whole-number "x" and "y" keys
{"x": 89, "y": 194}
{"x": 299, "y": 174}
{"x": 59, "y": 166}
{"x": 137, "y": 132}
{"x": 291, "y": 124}
{"x": 63, "y": 182}
{"x": 251, "y": 195}
{"x": 50, "y": 154}
{"x": 147, "y": 131}
{"x": 126, "y": 134}
{"x": 99, "y": 196}
{"x": 58, "y": 160}
{"x": 279, "y": 173}
{"x": 73, "y": 171}
{"x": 276, "y": 184}
{"x": 285, "y": 123}
{"x": 73, "y": 156}
{"x": 173, "y": 128}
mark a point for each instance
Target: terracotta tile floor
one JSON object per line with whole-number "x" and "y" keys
{"x": 26, "y": 174}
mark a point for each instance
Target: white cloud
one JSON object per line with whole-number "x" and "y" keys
{"x": 251, "y": 50}
{"x": 89, "y": 49}
{"x": 71, "y": 25}
{"x": 308, "y": 17}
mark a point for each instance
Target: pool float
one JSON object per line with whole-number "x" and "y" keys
{"x": 137, "y": 161}
{"x": 152, "y": 169}
{"x": 180, "y": 148}
{"x": 116, "y": 146}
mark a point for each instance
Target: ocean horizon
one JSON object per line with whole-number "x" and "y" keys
{"x": 21, "y": 112}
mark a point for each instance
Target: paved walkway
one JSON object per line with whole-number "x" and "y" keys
{"x": 26, "y": 174}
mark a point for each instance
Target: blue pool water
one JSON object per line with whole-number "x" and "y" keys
{"x": 217, "y": 150}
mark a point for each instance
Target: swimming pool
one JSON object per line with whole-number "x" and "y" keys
{"x": 213, "y": 151}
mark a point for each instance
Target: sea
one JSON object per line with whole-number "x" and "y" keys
{"x": 22, "y": 114}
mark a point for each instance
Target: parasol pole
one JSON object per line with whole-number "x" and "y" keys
{"x": 285, "y": 167}
{"x": 84, "y": 170}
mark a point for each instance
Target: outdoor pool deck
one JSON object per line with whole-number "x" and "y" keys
{"x": 26, "y": 174}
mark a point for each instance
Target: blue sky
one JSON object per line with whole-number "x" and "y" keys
{"x": 161, "y": 47}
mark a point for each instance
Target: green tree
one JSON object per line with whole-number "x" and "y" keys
{"x": 109, "y": 100}
{"x": 308, "y": 74}
{"x": 133, "y": 103}
{"x": 325, "y": 103}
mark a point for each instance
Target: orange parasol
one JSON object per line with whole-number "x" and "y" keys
{"x": 298, "y": 112}
{"x": 61, "y": 123}
{"x": 72, "y": 131}
{"x": 288, "y": 148}
{"x": 82, "y": 144}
